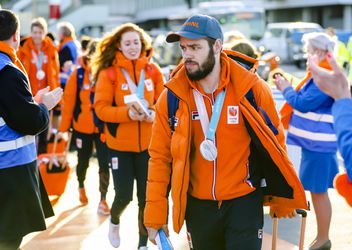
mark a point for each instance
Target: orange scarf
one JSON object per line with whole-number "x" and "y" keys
{"x": 286, "y": 110}
{"x": 63, "y": 42}
{"x": 8, "y": 50}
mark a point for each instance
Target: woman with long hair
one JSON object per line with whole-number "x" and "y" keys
{"x": 307, "y": 115}
{"x": 122, "y": 67}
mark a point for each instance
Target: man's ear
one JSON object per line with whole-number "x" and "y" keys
{"x": 217, "y": 46}
{"x": 15, "y": 37}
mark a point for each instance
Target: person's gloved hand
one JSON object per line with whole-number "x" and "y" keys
{"x": 152, "y": 233}
{"x": 282, "y": 212}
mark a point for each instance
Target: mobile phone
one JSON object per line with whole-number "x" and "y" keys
{"x": 162, "y": 241}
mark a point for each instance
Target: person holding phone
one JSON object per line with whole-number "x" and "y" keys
{"x": 122, "y": 66}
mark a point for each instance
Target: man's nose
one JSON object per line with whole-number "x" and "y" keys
{"x": 187, "y": 54}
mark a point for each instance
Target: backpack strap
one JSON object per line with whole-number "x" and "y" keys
{"x": 112, "y": 127}
{"x": 172, "y": 107}
{"x": 80, "y": 76}
{"x": 250, "y": 98}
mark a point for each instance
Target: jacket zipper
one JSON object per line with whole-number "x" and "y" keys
{"x": 139, "y": 123}
{"x": 214, "y": 163}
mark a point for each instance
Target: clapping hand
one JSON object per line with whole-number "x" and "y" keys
{"x": 334, "y": 83}
{"x": 281, "y": 82}
{"x": 49, "y": 98}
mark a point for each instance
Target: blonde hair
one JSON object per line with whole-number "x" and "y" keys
{"x": 67, "y": 29}
{"x": 107, "y": 48}
{"x": 319, "y": 40}
{"x": 243, "y": 46}
{"x": 41, "y": 23}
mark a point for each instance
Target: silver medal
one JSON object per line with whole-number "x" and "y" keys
{"x": 40, "y": 74}
{"x": 208, "y": 150}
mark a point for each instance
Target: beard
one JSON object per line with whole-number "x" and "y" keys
{"x": 204, "y": 69}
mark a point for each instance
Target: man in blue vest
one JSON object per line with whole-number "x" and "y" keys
{"x": 24, "y": 202}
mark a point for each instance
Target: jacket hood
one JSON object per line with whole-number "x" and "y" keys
{"x": 232, "y": 70}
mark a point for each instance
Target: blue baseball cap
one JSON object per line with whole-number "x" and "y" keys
{"x": 198, "y": 27}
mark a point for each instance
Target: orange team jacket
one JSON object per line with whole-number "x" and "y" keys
{"x": 50, "y": 64}
{"x": 84, "y": 123}
{"x": 232, "y": 174}
{"x": 131, "y": 136}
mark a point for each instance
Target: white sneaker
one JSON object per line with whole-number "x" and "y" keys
{"x": 114, "y": 234}
{"x": 143, "y": 248}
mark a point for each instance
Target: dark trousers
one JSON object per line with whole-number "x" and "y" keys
{"x": 232, "y": 224}
{"x": 127, "y": 167}
{"x": 42, "y": 142}
{"x": 84, "y": 147}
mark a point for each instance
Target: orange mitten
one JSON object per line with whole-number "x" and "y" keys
{"x": 282, "y": 212}
{"x": 344, "y": 187}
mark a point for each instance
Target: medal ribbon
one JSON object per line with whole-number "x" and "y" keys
{"x": 209, "y": 129}
{"x": 38, "y": 62}
{"x": 134, "y": 89}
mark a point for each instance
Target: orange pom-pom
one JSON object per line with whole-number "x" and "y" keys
{"x": 344, "y": 187}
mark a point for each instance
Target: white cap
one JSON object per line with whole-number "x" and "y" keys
{"x": 319, "y": 40}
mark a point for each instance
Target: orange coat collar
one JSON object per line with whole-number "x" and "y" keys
{"x": 231, "y": 71}
{"x": 64, "y": 41}
{"x": 11, "y": 52}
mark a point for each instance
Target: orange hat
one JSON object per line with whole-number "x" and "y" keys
{"x": 344, "y": 187}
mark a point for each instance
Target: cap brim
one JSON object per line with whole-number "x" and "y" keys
{"x": 175, "y": 36}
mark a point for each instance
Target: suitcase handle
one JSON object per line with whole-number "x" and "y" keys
{"x": 56, "y": 138}
{"x": 303, "y": 214}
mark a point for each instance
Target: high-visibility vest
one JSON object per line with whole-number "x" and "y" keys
{"x": 313, "y": 130}
{"x": 15, "y": 148}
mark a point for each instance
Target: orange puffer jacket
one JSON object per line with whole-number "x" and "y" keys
{"x": 129, "y": 136}
{"x": 50, "y": 64}
{"x": 84, "y": 122}
{"x": 171, "y": 153}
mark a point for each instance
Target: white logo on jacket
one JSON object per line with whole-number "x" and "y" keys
{"x": 149, "y": 84}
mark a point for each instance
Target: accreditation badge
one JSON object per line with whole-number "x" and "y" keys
{"x": 208, "y": 150}
{"x": 40, "y": 75}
